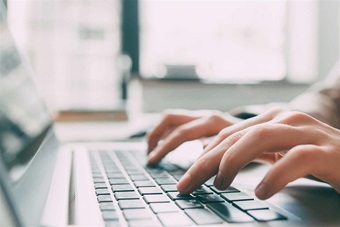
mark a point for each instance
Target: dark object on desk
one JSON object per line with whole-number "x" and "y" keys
{"x": 139, "y": 134}
{"x": 180, "y": 72}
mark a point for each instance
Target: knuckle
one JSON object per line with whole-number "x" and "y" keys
{"x": 274, "y": 111}
{"x": 295, "y": 116}
{"x": 261, "y": 131}
{"x": 181, "y": 131}
{"x": 168, "y": 114}
{"x": 215, "y": 116}
{"x": 224, "y": 133}
{"x": 203, "y": 165}
{"x": 302, "y": 155}
{"x": 233, "y": 138}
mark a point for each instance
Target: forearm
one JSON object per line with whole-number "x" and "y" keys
{"x": 322, "y": 100}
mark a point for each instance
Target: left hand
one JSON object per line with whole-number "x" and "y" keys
{"x": 310, "y": 147}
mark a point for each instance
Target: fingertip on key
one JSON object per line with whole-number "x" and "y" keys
{"x": 184, "y": 184}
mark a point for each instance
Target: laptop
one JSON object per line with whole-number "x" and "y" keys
{"x": 49, "y": 183}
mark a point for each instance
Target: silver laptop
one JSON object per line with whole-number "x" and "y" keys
{"x": 44, "y": 182}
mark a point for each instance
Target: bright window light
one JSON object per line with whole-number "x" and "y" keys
{"x": 221, "y": 39}
{"x": 73, "y": 46}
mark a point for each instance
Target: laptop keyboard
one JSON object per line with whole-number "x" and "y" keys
{"x": 130, "y": 194}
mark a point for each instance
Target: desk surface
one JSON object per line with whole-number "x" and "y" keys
{"x": 77, "y": 131}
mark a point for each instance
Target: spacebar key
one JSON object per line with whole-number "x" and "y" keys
{"x": 229, "y": 213}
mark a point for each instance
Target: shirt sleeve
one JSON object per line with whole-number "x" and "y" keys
{"x": 322, "y": 100}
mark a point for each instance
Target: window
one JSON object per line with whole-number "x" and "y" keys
{"x": 225, "y": 40}
{"x": 73, "y": 46}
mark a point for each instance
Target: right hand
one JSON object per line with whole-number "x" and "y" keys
{"x": 179, "y": 126}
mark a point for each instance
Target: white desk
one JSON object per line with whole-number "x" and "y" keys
{"x": 102, "y": 130}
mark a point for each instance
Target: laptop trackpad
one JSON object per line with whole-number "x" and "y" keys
{"x": 186, "y": 154}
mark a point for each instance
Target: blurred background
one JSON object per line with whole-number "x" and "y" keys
{"x": 193, "y": 54}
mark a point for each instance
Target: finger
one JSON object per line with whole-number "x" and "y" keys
{"x": 205, "y": 167}
{"x": 195, "y": 129}
{"x": 241, "y": 126}
{"x": 257, "y": 140}
{"x": 168, "y": 121}
{"x": 206, "y": 140}
{"x": 298, "y": 162}
{"x": 201, "y": 171}
{"x": 268, "y": 157}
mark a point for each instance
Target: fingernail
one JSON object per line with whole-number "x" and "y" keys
{"x": 184, "y": 184}
{"x": 261, "y": 191}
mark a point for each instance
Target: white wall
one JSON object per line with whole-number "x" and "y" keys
{"x": 329, "y": 35}
{"x": 158, "y": 95}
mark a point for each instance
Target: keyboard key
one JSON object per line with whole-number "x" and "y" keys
{"x": 163, "y": 207}
{"x": 115, "y": 175}
{"x": 266, "y": 215}
{"x": 144, "y": 222}
{"x": 174, "y": 219}
{"x": 131, "y": 204}
{"x": 163, "y": 181}
{"x": 189, "y": 204}
{"x": 202, "y": 190}
{"x": 102, "y": 192}
{"x": 104, "y": 198}
{"x": 178, "y": 196}
{"x": 228, "y": 190}
{"x": 131, "y": 167}
{"x": 237, "y": 196}
{"x": 134, "y": 171}
{"x": 95, "y": 169}
{"x": 137, "y": 214}
{"x": 250, "y": 205}
{"x": 109, "y": 170}
{"x": 209, "y": 198}
{"x": 96, "y": 175}
{"x": 203, "y": 217}
{"x": 110, "y": 215}
{"x": 159, "y": 175}
{"x": 210, "y": 182}
{"x": 112, "y": 223}
{"x": 229, "y": 213}
{"x": 156, "y": 198}
{"x": 169, "y": 188}
{"x": 113, "y": 171}
{"x": 122, "y": 188}
{"x": 138, "y": 177}
{"x": 126, "y": 195}
{"x": 119, "y": 181}
{"x": 144, "y": 184}
{"x": 98, "y": 180}
{"x": 153, "y": 169}
{"x": 168, "y": 167}
{"x": 106, "y": 206}
{"x": 100, "y": 185}
{"x": 110, "y": 167}
{"x": 178, "y": 172}
{"x": 149, "y": 190}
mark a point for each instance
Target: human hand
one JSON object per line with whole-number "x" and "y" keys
{"x": 179, "y": 126}
{"x": 310, "y": 147}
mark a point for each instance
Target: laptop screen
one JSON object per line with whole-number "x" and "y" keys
{"x": 23, "y": 116}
